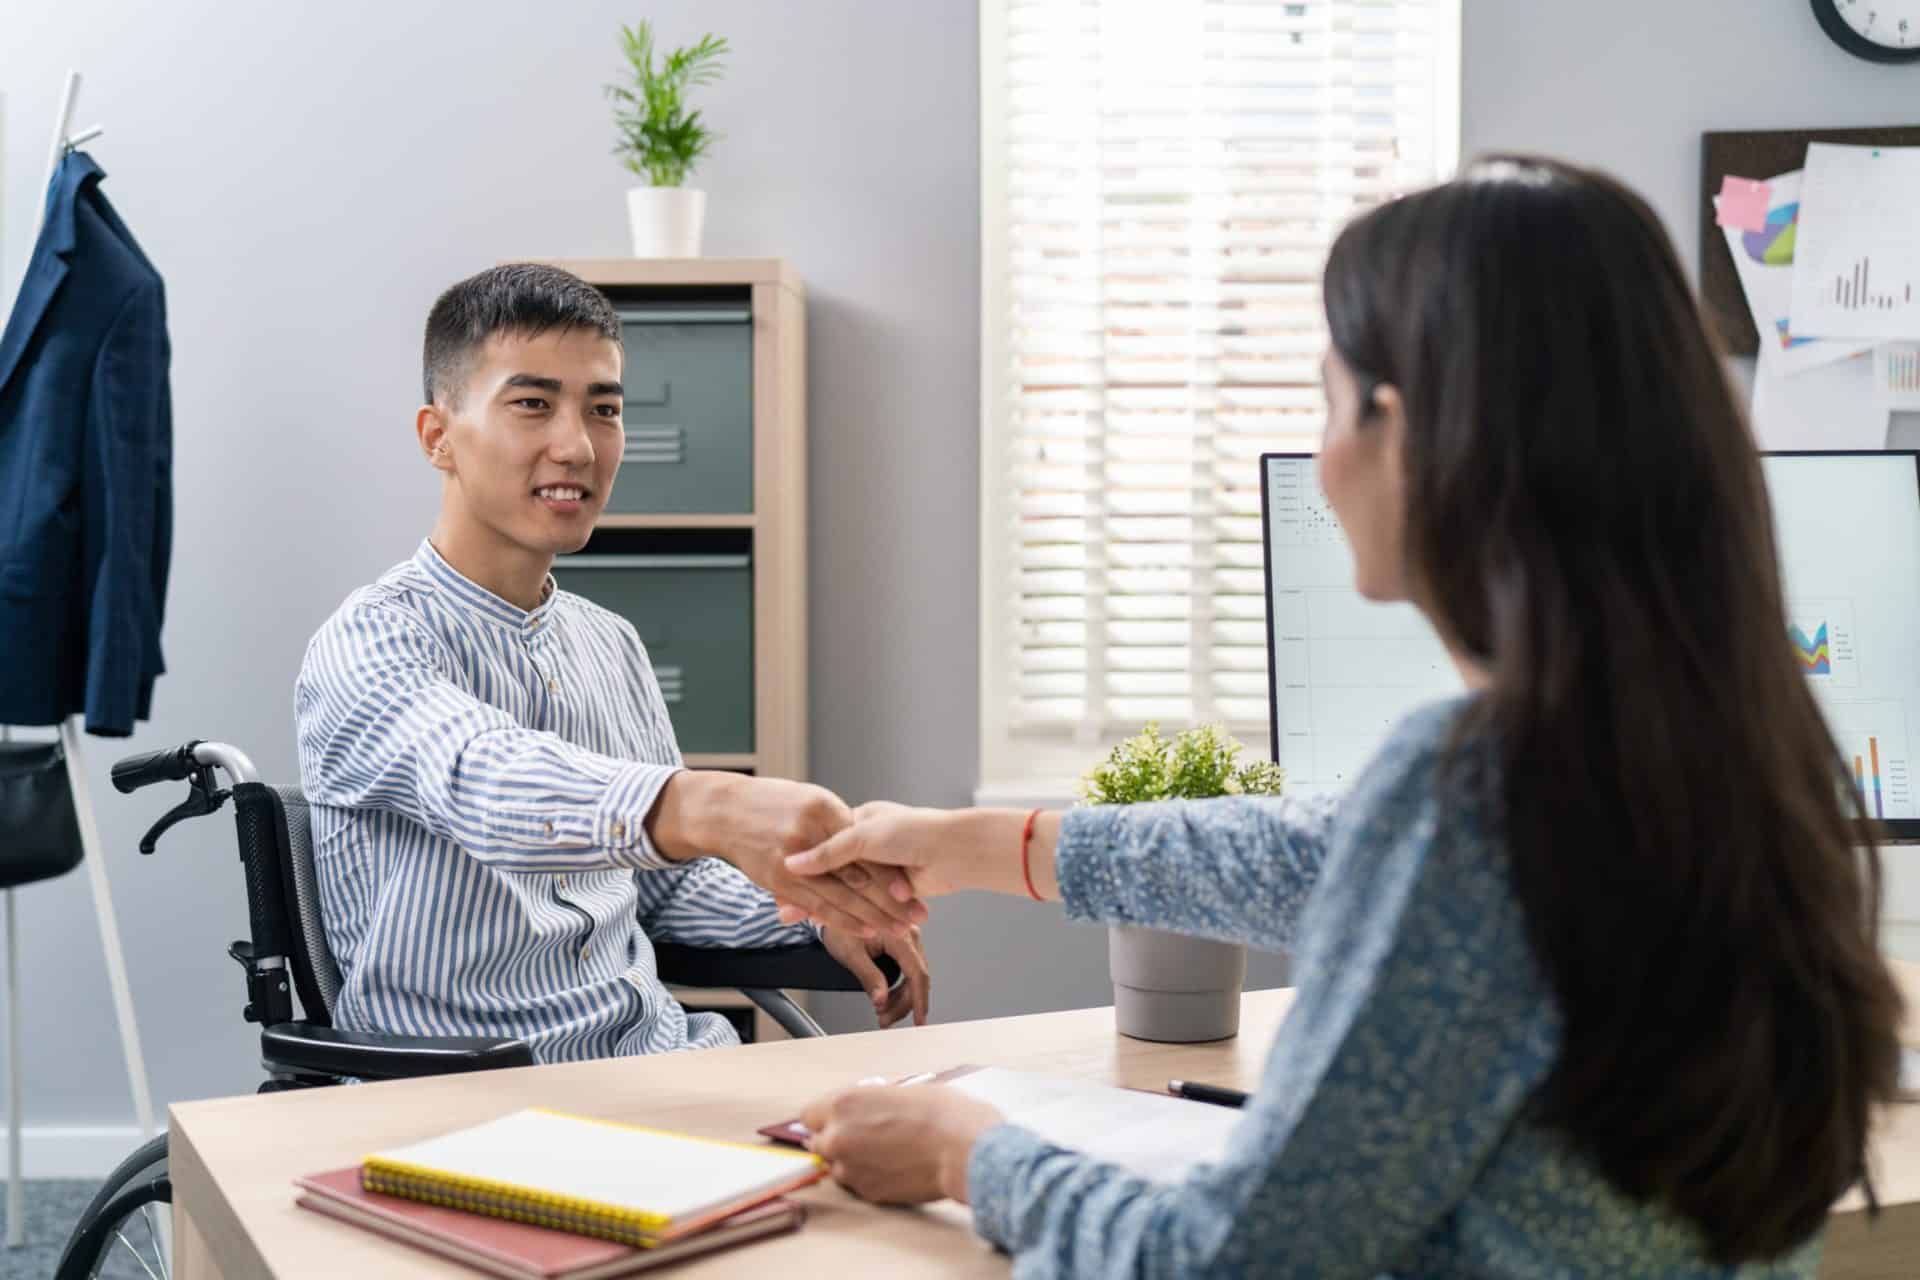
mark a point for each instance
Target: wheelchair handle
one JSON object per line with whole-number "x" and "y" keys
{"x": 176, "y": 764}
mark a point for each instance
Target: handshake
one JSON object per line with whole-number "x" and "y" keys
{"x": 757, "y": 824}
{"x": 864, "y": 871}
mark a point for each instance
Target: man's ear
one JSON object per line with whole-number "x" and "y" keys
{"x": 430, "y": 424}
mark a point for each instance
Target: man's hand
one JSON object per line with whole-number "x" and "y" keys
{"x": 899, "y": 1144}
{"x": 857, "y": 955}
{"x": 754, "y": 823}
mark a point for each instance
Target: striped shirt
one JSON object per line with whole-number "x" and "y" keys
{"x": 480, "y": 778}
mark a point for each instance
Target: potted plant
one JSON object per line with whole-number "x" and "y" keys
{"x": 661, "y": 140}
{"x": 1167, "y": 987}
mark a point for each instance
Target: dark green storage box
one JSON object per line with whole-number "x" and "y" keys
{"x": 689, "y": 410}
{"x": 695, "y": 615}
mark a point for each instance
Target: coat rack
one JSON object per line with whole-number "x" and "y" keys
{"x": 71, "y": 739}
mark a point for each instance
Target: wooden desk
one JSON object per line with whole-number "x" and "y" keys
{"x": 234, "y": 1159}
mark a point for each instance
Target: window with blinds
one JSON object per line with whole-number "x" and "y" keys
{"x": 1162, "y": 179}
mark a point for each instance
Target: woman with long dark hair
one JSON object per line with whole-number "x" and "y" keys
{"x": 1586, "y": 962}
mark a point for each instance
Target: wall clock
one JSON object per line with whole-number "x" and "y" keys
{"x": 1879, "y": 30}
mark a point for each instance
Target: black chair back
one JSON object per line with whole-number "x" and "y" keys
{"x": 315, "y": 976}
{"x": 283, "y": 893}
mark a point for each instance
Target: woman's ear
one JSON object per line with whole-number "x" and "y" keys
{"x": 1387, "y": 418}
{"x": 430, "y": 425}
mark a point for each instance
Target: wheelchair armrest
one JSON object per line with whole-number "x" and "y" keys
{"x": 303, "y": 1047}
{"x": 805, "y": 967}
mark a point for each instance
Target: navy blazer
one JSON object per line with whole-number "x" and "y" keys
{"x": 86, "y": 454}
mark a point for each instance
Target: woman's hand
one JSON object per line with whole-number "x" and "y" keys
{"x": 899, "y": 1144}
{"x": 940, "y": 851}
{"x": 856, "y": 955}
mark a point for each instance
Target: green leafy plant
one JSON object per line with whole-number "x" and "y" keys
{"x": 1198, "y": 764}
{"x": 659, "y": 138}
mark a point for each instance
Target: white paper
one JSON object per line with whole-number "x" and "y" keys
{"x": 1156, "y": 1136}
{"x": 1835, "y": 406}
{"x": 1856, "y": 266}
{"x": 1764, "y": 262}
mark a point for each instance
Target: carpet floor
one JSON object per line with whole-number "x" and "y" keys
{"x": 53, "y": 1206}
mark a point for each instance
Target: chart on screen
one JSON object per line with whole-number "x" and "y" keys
{"x": 1873, "y": 743}
{"x": 1847, "y": 527}
{"x": 1822, "y": 636}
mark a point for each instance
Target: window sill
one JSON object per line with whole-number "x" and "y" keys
{"x": 1032, "y": 793}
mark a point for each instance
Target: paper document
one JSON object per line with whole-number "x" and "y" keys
{"x": 1764, "y": 261}
{"x": 1154, "y": 1135}
{"x": 1857, "y": 257}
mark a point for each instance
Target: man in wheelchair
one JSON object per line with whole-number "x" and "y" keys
{"x": 501, "y": 819}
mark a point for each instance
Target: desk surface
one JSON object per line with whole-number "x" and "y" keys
{"x": 234, "y": 1159}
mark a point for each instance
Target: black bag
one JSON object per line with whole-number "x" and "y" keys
{"x": 39, "y": 831}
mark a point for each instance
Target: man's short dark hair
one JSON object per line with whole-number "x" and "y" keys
{"x": 525, "y": 299}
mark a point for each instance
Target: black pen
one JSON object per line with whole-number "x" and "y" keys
{"x": 1206, "y": 1093}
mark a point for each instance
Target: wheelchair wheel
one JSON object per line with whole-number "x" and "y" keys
{"x": 123, "y": 1231}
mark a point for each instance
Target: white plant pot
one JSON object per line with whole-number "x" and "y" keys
{"x": 666, "y": 221}
{"x": 1174, "y": 989}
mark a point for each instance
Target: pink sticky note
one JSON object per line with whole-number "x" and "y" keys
{"x": 1742, "y": 204}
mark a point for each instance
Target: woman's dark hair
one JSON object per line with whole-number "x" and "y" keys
{"x": 1586, "y": 516}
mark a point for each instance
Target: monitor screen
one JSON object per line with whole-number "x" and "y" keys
{"x": 1848, "y": 530}
{"x": 1342, "y": 669}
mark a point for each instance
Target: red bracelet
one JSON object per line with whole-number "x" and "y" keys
{"x": 1026, "y": 868}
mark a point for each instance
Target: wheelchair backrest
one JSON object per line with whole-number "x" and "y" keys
{"x": 315, "y": 976}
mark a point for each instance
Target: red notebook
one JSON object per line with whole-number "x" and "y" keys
{"x": 518, "y": 1251}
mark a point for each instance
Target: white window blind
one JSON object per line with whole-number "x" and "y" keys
{"x": 1161, "y": 182}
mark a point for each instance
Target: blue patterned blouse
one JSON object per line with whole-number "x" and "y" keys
{"x": 1387, "y": 1135}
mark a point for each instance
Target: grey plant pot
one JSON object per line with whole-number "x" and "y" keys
{"x": 1174, "y": 989}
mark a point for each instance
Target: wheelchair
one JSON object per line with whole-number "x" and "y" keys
{"x": 286, "y": 957}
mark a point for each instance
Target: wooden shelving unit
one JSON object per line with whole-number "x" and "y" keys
{"x": 777, "y": 522}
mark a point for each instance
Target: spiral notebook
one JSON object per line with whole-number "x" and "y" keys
{"x": 516, "y": 1251}
{"x": 619, "y": 1182}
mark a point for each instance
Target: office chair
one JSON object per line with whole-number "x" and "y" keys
{"x": 286, "y": 955}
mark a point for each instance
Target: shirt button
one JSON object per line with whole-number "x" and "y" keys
{"x": 583, "y": 955}
{"x": 549, "y": 831}
{"x": 563, "y": 882}
{"x": 619, "y": 829}
{"x": 553, "y": 686}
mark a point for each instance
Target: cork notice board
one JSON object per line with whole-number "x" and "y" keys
{"x": 1758, "y": 155}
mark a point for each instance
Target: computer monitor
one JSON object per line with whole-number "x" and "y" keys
{"x": 1847, "y": 526}
{"x": 1341, "y": 669}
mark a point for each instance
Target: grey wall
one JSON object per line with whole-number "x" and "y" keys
{"x": 307, "y": 177}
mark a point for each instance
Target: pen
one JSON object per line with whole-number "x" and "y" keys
{"x": 1206, "y": 1093}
